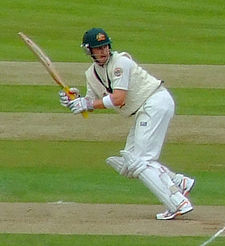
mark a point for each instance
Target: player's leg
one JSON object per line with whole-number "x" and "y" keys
{"x": 117, "y": 162}
{"x": 161, "y": 185}
{"x": 154, "y": 177}
{"x": 184, "y": 183}
{"x": 152, "y": 122}
{"x": 151, "y": 129}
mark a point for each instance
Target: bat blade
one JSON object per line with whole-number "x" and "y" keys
{"x": 47, "y": 63}
{"x": 43, "y": 58}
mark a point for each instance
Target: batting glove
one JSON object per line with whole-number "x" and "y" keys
{"x": 81, "y": 104}
{"x": 65, "y": 98}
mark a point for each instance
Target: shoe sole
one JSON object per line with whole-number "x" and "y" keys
{"x": 186, "y": 192}
{"x": 185, "y": 212}
{"x": 176, "y": 214}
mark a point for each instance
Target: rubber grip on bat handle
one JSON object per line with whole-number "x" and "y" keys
{"x": 72, "y": 96}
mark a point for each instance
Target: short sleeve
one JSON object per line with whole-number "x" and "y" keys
{"x": 121, "y": 73}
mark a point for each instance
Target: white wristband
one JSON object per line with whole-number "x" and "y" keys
{"x": 107, "y": 102}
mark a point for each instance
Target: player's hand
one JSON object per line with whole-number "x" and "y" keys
{"x": 65, "y": 97}
{"x": 81, "y": 104}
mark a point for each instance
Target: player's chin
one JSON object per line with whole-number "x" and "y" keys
{"x": 102, "y": 60}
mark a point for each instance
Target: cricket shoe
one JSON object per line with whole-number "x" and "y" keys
{"x": 184, "y": 208}
{"x": 186, "y": 185}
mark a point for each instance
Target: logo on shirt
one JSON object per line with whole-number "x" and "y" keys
{"x": 118, "y": 71}
{"x": 143, "y": 123}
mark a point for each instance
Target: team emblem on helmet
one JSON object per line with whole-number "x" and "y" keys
{"x": 93, "y": 38}
{"x": 100, "y": 37}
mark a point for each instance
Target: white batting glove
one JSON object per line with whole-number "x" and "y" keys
{"x": 65, "y": 97}
{"x": 81, "y": 104}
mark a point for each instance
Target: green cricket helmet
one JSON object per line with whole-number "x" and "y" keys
{"x": 93, "y": 38}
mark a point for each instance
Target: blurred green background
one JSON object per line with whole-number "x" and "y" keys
{"x": 174, "y": 31}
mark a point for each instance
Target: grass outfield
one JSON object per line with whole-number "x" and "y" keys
{"x": 77, "y": 240}
{"x": 58, "y": 240}
{"x": 174, "y": 31}
{"x": 40, "y": 171}
{"x": 42, "y": 99}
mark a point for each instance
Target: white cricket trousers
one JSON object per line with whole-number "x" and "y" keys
{"x": 145, "y": 141}
{"x": 147, "y": 135}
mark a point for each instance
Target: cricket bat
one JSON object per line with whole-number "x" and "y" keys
{"x": 47, "y": 63}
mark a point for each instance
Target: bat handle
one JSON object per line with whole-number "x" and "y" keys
{"x": 72, "y": 96}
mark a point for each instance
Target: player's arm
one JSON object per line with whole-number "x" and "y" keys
{"x": 116, "y": 99}
{"x": 81, "y": 104}
{"x": 121, "y": 78}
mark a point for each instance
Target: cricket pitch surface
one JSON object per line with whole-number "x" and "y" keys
{"x": 106, "y": 219}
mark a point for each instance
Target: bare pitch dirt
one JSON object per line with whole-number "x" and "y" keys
{"x": 186, "y": 76}
{"x": 189, "y": 129}
{"x": 111, "y": 219}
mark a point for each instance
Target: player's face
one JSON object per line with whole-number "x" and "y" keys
{"x": 101, "y": 54}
